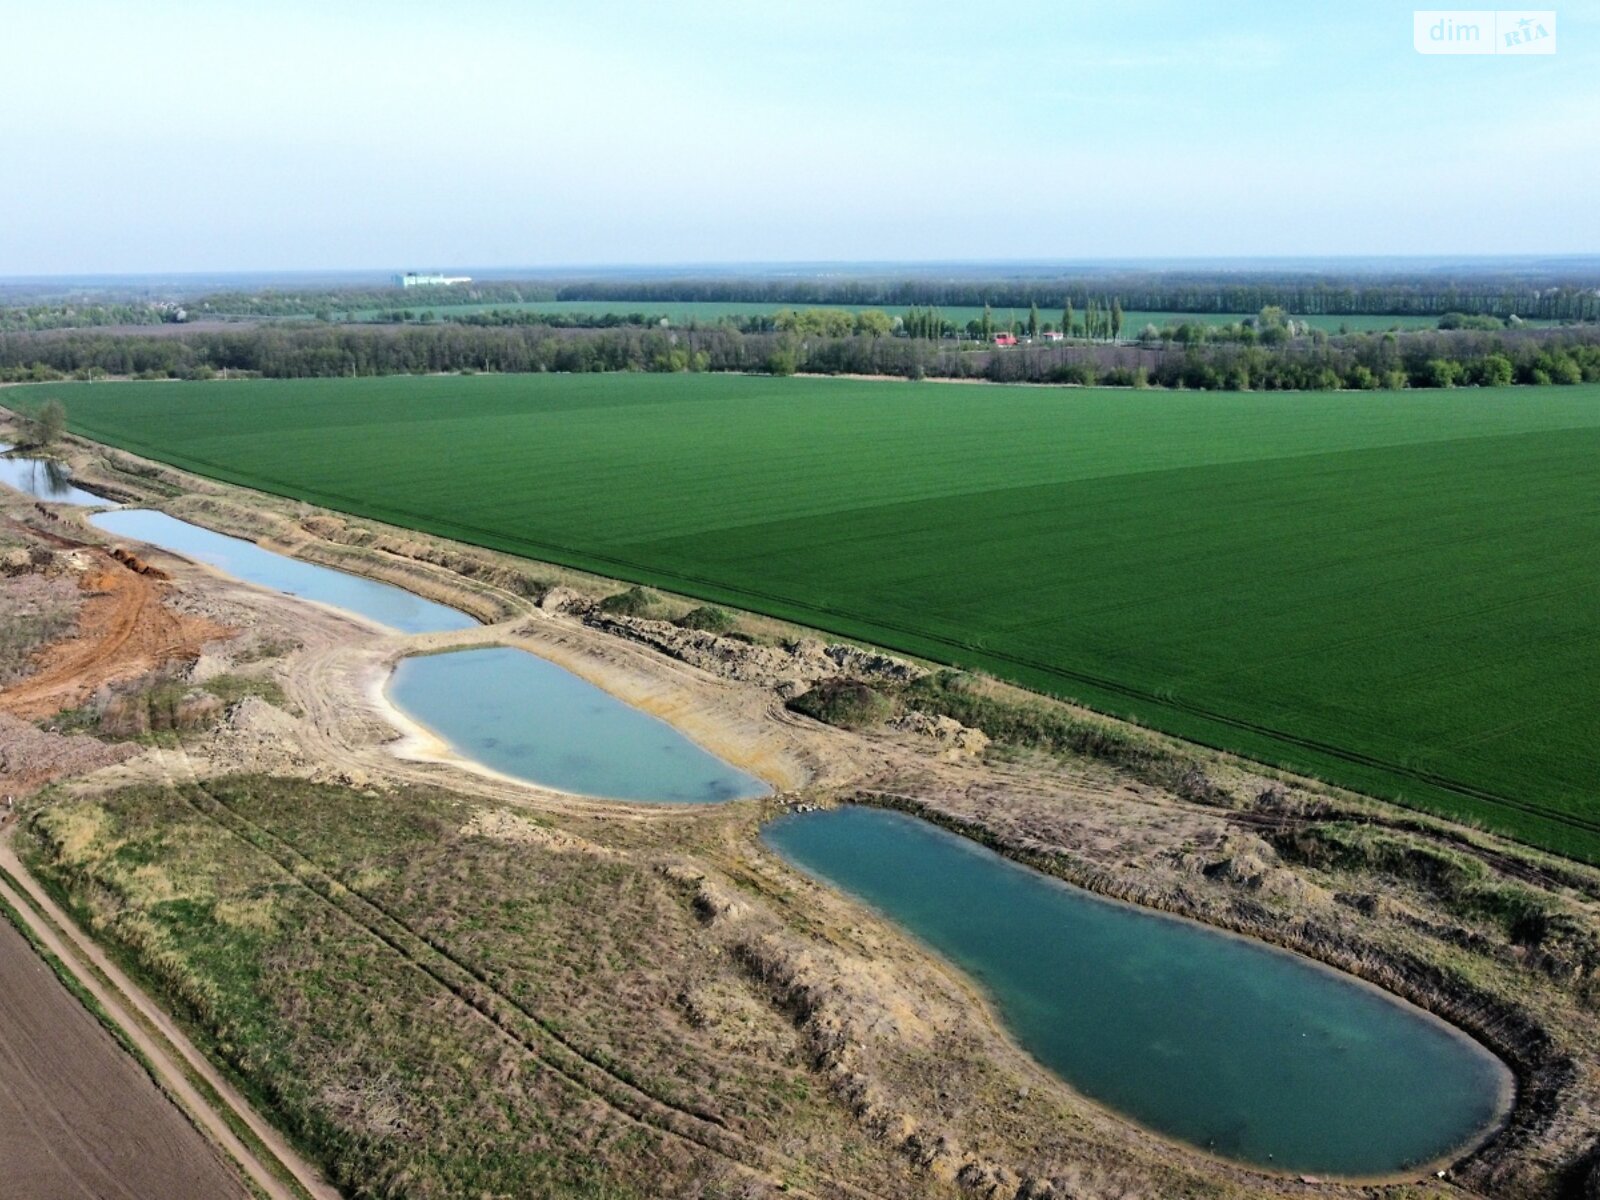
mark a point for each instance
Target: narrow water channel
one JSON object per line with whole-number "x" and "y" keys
{"x": 528, "y": 718}
{"x": 1249, "y": 1052}
{"x": 381, "y": 602}
{"x": 509, "y": 710}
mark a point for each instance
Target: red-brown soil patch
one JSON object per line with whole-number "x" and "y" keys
{"x": 124, "y": 630}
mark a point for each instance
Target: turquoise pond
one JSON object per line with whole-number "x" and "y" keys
{"x": 1249, "y": 1052}
{"x": 528, "y": 718}
{"x": 384, "y": 603}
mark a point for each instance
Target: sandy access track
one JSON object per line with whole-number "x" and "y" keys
{"x": 87, "y": 1121}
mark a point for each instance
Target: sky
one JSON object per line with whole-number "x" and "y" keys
{"x": 166, "y": 136}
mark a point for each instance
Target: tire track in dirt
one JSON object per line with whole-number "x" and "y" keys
{"x": 513, "y": 1021}
{"x": 124, "y": 629}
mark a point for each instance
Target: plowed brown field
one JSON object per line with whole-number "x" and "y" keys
{"x": 78, "y": 1117}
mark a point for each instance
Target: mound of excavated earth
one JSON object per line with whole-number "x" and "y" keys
{"x": 31, "y": 757}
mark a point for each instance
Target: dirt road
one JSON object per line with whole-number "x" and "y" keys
{"x": 77, "y": 1115}
{"x": 68, "y": 1151}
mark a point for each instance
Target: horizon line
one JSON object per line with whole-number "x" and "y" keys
{"x": 725, "y": 266}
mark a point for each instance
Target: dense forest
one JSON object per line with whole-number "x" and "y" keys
{"x": 1425, "y": 359}
{"x": 1555, "y": 298}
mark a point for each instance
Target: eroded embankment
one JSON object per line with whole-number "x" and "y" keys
{"x": 909, "y": 1051}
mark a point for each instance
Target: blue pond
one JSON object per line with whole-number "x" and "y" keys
{"x": 1250, "y": 1052}
{"x": 381, "y": 602}
{"x": 44, "y": 478}
{"x": 525, "y": 717}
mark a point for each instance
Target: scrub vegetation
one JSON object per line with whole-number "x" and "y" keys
{"x": 1271, "y": 352}
{"x": 433, "y": 1003}
{"x": 1385, "y": 591}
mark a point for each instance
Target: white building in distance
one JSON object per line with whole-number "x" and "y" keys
{"x": 412, "y": 279}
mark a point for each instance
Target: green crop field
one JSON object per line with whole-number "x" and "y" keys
{"x": 682, "y": 312}
{"x": 1399, "y": 592}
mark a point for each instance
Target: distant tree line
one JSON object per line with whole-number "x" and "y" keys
{"x": 1546, "y": 296}
{"x": 327, "y": 303}
{"x": 1273, "y": 327}
{"x": 1565, "y": 295}
{"x": 1360, "y": 361}
{"x": 1364, "y": 362}
{"x": 520, "y": 316}
{"x": 1100, "y": 320}
{"x": 1567, "y": 300}
{"x": 31, "y": 317}
{"x": 1557, "y": 298}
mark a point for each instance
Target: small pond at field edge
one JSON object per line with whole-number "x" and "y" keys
{"x": 523, "y": 716}
{"x": 45, "y": 479}
{"x": 1250, "y": 1052}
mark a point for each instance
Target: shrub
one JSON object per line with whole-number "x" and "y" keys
{"x": 708, "y": 618}
{"x": 1031, "y": 724}
{"x": 1560, "y": 368}
{"x": 847, "y": 703}
{"x": 1479, "y": 321}
{"x": 1493, "y": 370}
{"x": 1437, "y": 373}
{"x": 635, "y": 602}
{"x": 1074, "y": 372}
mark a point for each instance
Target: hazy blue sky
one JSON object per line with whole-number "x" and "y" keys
{"x": 143, "y": 135}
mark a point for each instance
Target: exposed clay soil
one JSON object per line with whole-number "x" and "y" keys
{"x": 78, "y": 1116}
{"x": 124, "y": 630}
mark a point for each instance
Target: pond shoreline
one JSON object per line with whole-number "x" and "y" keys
{"x": 1010, "y": 989}
{"x": 571, "y": 731}
{"x": 1538, "y": 1075}
{"x": 1543, "y": 1072}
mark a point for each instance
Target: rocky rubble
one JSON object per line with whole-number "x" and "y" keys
{"x": 789, "y": 667}
{"x": 30, "y": 757}
{"x": 947, "y": 730}
{"x": 260, "y": 737}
